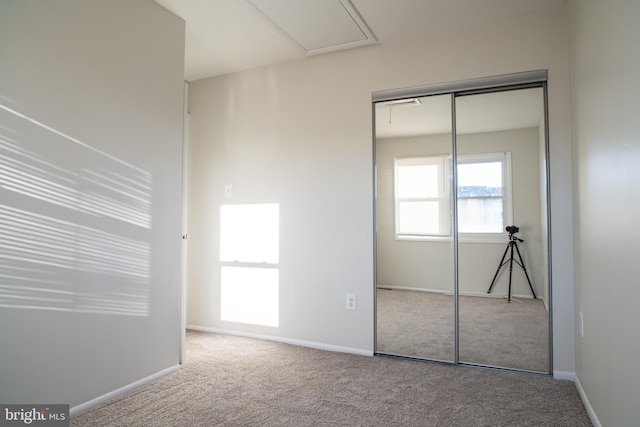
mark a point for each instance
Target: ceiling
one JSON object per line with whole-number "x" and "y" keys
{"x": 225, "y": 36}
{"x": 487, "y": 112}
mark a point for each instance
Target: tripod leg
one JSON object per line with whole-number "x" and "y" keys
{"x": 525, "y": 272}
{"x": 511, "y": 243}
{"x": 493, "y": 282}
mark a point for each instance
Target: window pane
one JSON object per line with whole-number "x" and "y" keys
{"x": 480, "y": 215}
{"x": 418, "y": 181}
{"x": 480, "y": 202}
{"x": 480, "y": 179}
{"x": 420, "y": 218}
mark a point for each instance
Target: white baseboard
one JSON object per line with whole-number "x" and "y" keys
{"x": 408, "y": 288}
{"x": 83, "y": 407}
{"x": 450, "y": 293}
{"x": 571, "y": 376}
{"x": 564, "y": 375}
{"x": 587, "y": 405}
{"x": 310, "y": 344}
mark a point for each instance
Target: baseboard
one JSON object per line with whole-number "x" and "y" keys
{"x": 408, "y": 288}
{"x": 587, "y": 405}
{"x": 499, "y": 296}
{"x": 564, "y": 375}
{"x": 301, "y": 343}
{"x": 571, "y": 376}
{"x": 450, "y": 293}
{"x": 83, "y": 407}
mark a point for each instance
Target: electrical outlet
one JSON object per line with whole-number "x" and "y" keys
{"x": 351, "y": 302}
{"x": 581, "y": 325}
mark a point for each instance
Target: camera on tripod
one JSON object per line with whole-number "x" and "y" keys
{"x": 512, "y": 229}
{"x": 513, "y": 244}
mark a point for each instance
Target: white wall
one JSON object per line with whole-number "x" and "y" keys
{"x": 402, "y": 263}
{"x": 605, "y": 93}
{"x": 300, "y": 134}
{"x": 90, "y": 141}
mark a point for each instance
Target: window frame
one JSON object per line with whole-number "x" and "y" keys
{"x": 444, "y": 190}
{"x": 445, "y": 160}
{"x": 503, "y": 157}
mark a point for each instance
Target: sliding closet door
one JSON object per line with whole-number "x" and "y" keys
{"x": 502, "y": 217}
{"x": 462, "y": 222}
{"x": 414, "y": 222}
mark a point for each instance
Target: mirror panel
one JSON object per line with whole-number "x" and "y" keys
{"x": 414, "y": 248}
{"x": 501, "y": 177}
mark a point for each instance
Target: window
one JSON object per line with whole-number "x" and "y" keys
{"x": 423, "y": 198}
{"x": 482, "y": 193}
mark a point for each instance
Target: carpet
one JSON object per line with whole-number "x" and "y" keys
{"x": 236, "y": 381}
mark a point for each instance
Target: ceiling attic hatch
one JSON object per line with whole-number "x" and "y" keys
{"x": 318, "y": 26}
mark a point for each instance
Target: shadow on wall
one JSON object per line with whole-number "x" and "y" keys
{"x": 75, "y": 223}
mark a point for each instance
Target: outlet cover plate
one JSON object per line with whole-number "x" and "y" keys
{"x": 351, "y": 302}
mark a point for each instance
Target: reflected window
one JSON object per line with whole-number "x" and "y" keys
{"x": 249, "y": 254}
{"x": 423, "y": 202}
{"x": 483, "y": 193}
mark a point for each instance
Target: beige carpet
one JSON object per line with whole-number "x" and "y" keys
{"x": 234, "y": 381}
{"x": 492, "y": 330}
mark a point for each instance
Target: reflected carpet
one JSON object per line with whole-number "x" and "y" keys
{"x": 492, "y": 330}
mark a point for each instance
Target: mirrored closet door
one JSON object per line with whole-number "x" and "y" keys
{"x": 415, "y": 276}
{"x": 462, "y": 234}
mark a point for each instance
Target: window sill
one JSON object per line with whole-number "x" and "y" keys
{"x": 497, "y": 239}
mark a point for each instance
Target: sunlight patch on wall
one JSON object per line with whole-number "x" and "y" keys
{"x": 250, "y": 233}
{"x": 40, "y": 162}
{"x": 249, "y": 253}
{"x": 250, "y": 295}
{"x": 75, "y": 223}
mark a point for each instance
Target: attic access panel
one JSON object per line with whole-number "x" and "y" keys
{"x": 318, "y": 26}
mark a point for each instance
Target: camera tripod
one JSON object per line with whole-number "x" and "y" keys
{"x": 513, "y": 243}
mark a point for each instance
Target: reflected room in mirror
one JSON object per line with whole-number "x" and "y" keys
{"x": 447, "y": 188}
